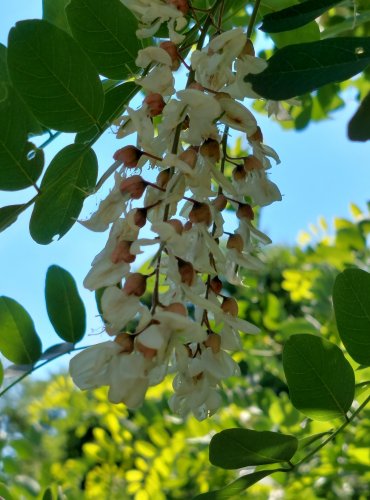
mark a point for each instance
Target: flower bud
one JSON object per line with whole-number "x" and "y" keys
{"x": 220, "y": 202}
{"x": 177, "y": 308}
{"x": 211, "y": 149}
{"x": 252, "y": 163}
{"x": 129, "y": 156}
{"x": 140, "y": 217}
{"x": 162, "y": 178}
{"x": 190, "y": 157}
{"x": 187, "y": 226}
{"x": 235, "y": 241}
{"x": 135, "y": 284}
{"x": 200, "y": 213}
{"x": 126, "y": 341}
{"x": 177, "y": 225}
{"x": 155, "y": 104}
{"x": 230, "y": 306}
{"x": 181, "y": 5}
{"x": 257, "y": 136}
{"x": 214, "y": 342}
{"x": 216, "y": 285}
{"x": 121, "y": 253}
{"x": 248, "y": 49}
{"x": 239, "y": 174}
{"x": 245, "y": 211}
{"x": 134, "y": 186}
{"x": 147, "y": 352}
{"x": 196, "y": 86}
{"x": 186, "y": 271}
{"x": 171, "y": 50}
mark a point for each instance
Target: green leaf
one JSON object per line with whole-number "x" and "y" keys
{"x": 301, "y": 68}
{"x": 4, "y": 74}
{"x": 5, "y": 493}
{"x": 54, "y": 12}
{"x": 359, "y": 125}
{"x": 236, "y": 448}
{"x": 362, "y": 387}
{"x": 9, "y": 214}
{"x": 70, "y": 97}
{"x": 295, "y": 16}
{"x": 69, "y": 178}
{"x": 115, "y": 100}
{"x": 17, "y": 170}
{"x": 321, "y": 381}
{"x": 307, "y": 441}
{"x": 65, "y": 308}
{"x": 236, "y": 487}
{"x": 1, "y": 374}
{"x": 57, "y": 350}
{"x": 106, "y": 30}
{"x": 19, "y": 341}
{"x": 351, "y": 297}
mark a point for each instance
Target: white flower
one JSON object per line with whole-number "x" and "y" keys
{"x": 119, "y": 308}
{"x": 236, "y": 116}
{"x": 244, "y": 66}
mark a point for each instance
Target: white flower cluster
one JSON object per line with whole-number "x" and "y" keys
{"x": 184, "y": 207}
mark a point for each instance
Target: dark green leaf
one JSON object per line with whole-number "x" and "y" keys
{"x": 235, "y": 448}
{"x": 320, "y": 379}
{"x": 1, "y": 374}
{"x": 5, "y": 493}
{"x": 54, "y": 12}
{"x": 295, "y": 16}
{"x": 17, "y": 171}
{"x": 64, "y": 305}
{"x": 351, "y": 297}
{"x": 307, "y": 441}
{"x": 57, "y": 350}
{"x": 70, "y": 97}
{"x": 115, "y": 100}
{"x": 9, "y": 214}
{"x": 4, "y": 74}
{"x": 19, "y": 341}
{"x": 106, "y": 30}
{"x": 48, "y": 494}
{"x": 359, "y": 125}
{"x": 301, "y": 68}
{"x": 235, "y": 488}
{"x": 68, "y": 180}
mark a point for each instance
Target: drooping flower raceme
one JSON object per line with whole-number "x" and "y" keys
{"x": 182, "y": 134}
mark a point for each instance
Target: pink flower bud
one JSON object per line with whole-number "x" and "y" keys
{"x": 190, "y": 157}
{"x": 220, "y": 202}
{"x": 214, "y": 342}
{"x": 177, "y": 308}
{"x": 134, "y": 186}
{"x": 200, "y": 213}
{"x": 235, "y": 241}
{"x": 252, "y": 163}
{"x": 216, "y": 285}
{"x": 245, "y": 211}
{"x": 172, "y": 51}
{"x": 257, "y": 136}
{"x": 155, "y": 104}
{"x": 181, "y": 5}
{"x": 126, "y": 341}
{"x": 239, "y": 173}
{"x": 129, "y": 156}
{"x": 121, "y": 253}
{"x": 162, "y": 178}
{"x": 187, "y": 226}
{"x": 177, "y": 225}
{"x": 196, "y": 86}
{"x": 211, "y": 149}
{"x": 230, "y": 306}
{"x": 186, "y": 271}
{"x": 140, "y": 217}
{"x": 135, "y": 284}
{"x": 147, "y": 352}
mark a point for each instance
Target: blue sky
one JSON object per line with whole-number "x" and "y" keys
{"x": 320, "y": 174}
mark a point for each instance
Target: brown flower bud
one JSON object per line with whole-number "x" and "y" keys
{"x": 248, "y": 49}
{"x": 187, "y": 226}
{"x": 211, "y": 149}
{"x": 126, "y": 341}
{"x": 239, "y": 174}
{"x": 121, "y": 253}
{"x": 140, "y": 217}
{"x": 196, "y": 86}
{"x": 129, "y": 156}
{"x": 172, "y": 51}
{"x": 235, "y": 241}
{"x": 135, "y": 284}
{"x": 230, "y": 306}
{"x": 220, "y": 202}
{"x": 134, "y": 186}
{"x": 186, "y": 271}
{"x": 189, "y": 156}
{"x": 177, "y": 225}
{"x": 216, "y": 285}
{"x": 147, "y": 352}
{"x": 214, "y": 342}
{"x": 162, "y": 178}
{"x": 155, "y": 104}
{"x": 177, "y": 308}
{"x": 257, "y": 136}
{"x": 181, "y": 5}
{"x": 252, "y": 163}
{"x": 245, "y": 211}
{"x": 186, "y": 123}
{"x": 200, "y": 213}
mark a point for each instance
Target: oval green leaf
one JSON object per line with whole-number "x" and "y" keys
{"x": 19, "y": 341}
{"x": 359, "y": 125}
{"x": 321, "y": 381}
{"x": 9, "y": 214}
{"x": 351, "y": 297}
{"x": 69, "y": 178}
{"x": 54, "y": 76}
{"x": 236, "y": 448}
{"x": 295, "y": 16}
{"x": 297, "y": 69}
{"x": 54, "y": 11}
{"x": 106, "y": 30}
{"x": 65, "y": 308}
